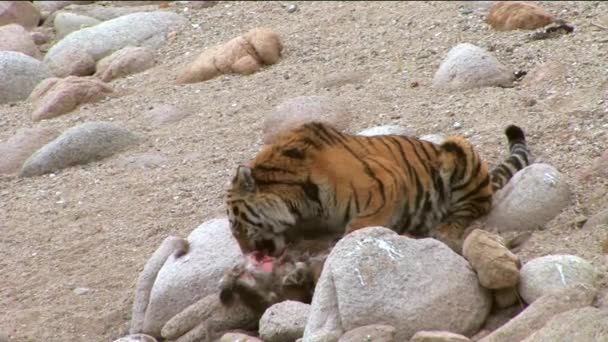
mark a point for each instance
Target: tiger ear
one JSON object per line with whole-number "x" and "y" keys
{"x": 244, "y": 180}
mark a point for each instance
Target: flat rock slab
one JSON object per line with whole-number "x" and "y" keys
{"x": 586, "y": 324}
{"x": 137, "y": 29}
{"x": 536, "y": 315}
{"x": 375, "y": 276}
{"x": 20, "y": 74}
{"x": 81, "y": 144}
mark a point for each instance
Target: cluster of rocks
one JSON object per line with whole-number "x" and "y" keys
{"x": 371, "y": 289}
{"x": 91, "y": 45}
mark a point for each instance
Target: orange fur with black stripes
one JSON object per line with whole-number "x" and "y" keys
{"x": 315, "y": 182}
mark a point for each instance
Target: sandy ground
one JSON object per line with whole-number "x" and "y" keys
{"x": 94, "y": 226}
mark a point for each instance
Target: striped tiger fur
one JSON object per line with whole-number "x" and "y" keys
{"x": 315, "y": 182}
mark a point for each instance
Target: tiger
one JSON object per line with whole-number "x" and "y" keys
{"x": 317, "y": 182}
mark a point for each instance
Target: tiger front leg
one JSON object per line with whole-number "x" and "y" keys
{"x": 452, "y": 234}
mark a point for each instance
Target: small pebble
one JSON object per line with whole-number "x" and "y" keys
{"x": 457, "y": 125}
{"x": 81, "y": 290}
{"x": 292, "y": 8}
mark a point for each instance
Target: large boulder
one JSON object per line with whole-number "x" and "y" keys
{"x": 81, "y": 144}
{"x": 467, "y": 66}
{"x": 374, "y": 276}
{"x": 548, "y": 273}
{"x": 532, "y": 198}
{"x": 184, "y": 279}
{"x": 137, "y": 29}
{"x": 14, "y": 37}
{"x": 19, "y": 73}
{"x": 19, "y": 12}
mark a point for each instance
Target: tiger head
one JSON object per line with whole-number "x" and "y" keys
{"x": 269, "y": 198}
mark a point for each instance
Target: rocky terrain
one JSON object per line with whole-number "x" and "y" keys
{"x": 74, "y": 240}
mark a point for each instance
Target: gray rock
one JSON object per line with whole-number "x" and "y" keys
{"x": 126, "y": 61}
{"x": 80, "y": 291}
{"x": 438, "y": 336}
{"x": 551, "y": 272}
{"x": 19, "y": 12}
{"x": 300, "y": 110}
{"x": 20, "y": 74}
{"x": 20, "y": 146}
{"x": 374, "y": 332}
{"x": 137, "y": 29}
{"x": 81, "y": 144}
{"x": 467, "y": 66}
{"x": 284, "y": 322}
{"x": 540, "y": 312}
{"x": 238, "y": 337}
{"x": 184, "y": 280}
{"x": 586, "y": 324}
{"x": 375, "y": 276}
{"x": 48, "y": 7}
{"x": 66, "y": 23}
{"x": 104, "y": 13}
{"x": 136, "y": 338}
{"x": 14, "y": 37}
{"x": 434, "y": 138}
{"x": 532, "y": 198}
{"x": 388, "y": 130}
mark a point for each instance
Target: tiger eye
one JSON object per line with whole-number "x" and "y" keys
{"x": 293, "y": 153}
